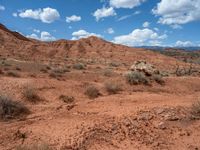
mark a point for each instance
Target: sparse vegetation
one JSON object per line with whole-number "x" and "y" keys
{"x": 185, "y": 70}
{"x": 66, "y": 99}
{"x": 136, "y": 77}
{"x": 30, "y": 94}
{"x": 112, "y": 88}
{"x": 114, "y": 64}
{"x": 42, "y": 146}
{"x": 10, "y": 109}
{"x": 158, "y": 78}
{"x": 55, "y": 75}
{"x": 92, "y": 92}
{"x": 13, "y": 74}
{"x": 108, "y": 72}
{"x": 195, "y": 110}
{"x": 79, "y": 66}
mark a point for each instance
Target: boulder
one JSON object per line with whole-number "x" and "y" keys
{"x": 146, "y": 68}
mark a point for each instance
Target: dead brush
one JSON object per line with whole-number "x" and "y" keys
{"x": 92, "y": 92}
{"x": 112, "y": 88}
{"x": 195, "y": 110}
{"x": 30, "y": 94}
{"x": 66, "y": 99}
{"x": 10, "y": 109}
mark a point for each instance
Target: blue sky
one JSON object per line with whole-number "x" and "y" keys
{"x": 129, "y": 22}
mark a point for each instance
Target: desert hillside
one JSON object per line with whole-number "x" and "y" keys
{"x": 17, "y": 46}
{"x": 91, "y": 94}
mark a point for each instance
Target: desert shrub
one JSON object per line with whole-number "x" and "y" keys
{"x": 158, "y": 78}
{"x": 55, "y": 75}
{"x": 79, "y": 66}
{"x": 1, "y": 71}
{"x": 44, "y": 70}
{"x": 13, "y": 74}
{"x": 34, "y": 147}
{"x": 112, "y": 88}
{"x": 108, "y": 72}
{"x": 18, "y": 68}
{"x": 30, "y": 94}
{"x": 66, "y": 99}
{"x": 114, "y": 64}
{"x": 136, "y": 77}
{"x": 11, "y": 109}
{"x": 92, "y": 92}
{"x": 195, "y": 110}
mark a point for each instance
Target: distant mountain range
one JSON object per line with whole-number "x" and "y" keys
{"x": 160, "y": 48}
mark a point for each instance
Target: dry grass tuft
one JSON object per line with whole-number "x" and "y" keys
{"x": 30, "y": 94}
{"x": 92, "y": 92}
{"x": 112, "y": 88}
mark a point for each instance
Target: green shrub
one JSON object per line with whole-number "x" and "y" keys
{"x": 92, "y": 92}
{"x": 112, "y": 88}
{"x": 136, "y": 77}
{"x": 11, "y": 109}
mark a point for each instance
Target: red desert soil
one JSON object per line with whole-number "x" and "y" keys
{"x": 138, "y": 117}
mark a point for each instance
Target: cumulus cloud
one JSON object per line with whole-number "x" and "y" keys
{"x": 110, "y": 31}
{"x": 146, "y": 24}
{"x": 125, "y": 3}
{"x": 184, "y": 44}
{"x": 177, "y": 12}
{"x": 44, "y": 36}
{"x": 83, "y": 34}
{"x": 140, "y": 37}
{"x": 104, "y": 12}
{"x": 46, "y": 15}
{"x": 33, "y": 36}
{"x": 2, "y": 8}
{"x": 73, "y": 18}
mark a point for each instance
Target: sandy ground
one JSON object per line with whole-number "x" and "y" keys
{"x": 138, "y": 117}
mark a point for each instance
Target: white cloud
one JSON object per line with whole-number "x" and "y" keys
{"x": 46, "y": 15}
{"x": 73, "y": 18}
{"x": 83, "y": 34}
{"x": 176, "y": 26}
{"x": 177, "y": 12}
{"x": 33, "y": 36}
{"x": 2, "y": 8}
{"x": 125, "y": 3}
{"x": 184, "y": 44}
{"x": 44, "y": 36}
{"x": 140, "y": 37}
{"x": 128, "y": 16}
{"x": 36, "y": 30}
{"x": 104, "y": 12}
{"x": 110, "y": 31}
{"x": 146, "y": 24}
{"x": 14, "y": 14}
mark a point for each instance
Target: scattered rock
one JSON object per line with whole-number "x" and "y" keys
{"x": 146, "y": 68}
